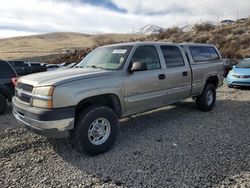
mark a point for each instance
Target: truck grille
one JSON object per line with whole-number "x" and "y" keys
{"x": 24, "y": 92}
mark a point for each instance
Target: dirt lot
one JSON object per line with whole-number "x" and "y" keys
{"x": 176, "y": 146}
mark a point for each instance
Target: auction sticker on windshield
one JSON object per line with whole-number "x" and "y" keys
{"x": 119, "y": 51}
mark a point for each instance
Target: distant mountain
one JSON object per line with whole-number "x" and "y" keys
{"x": 150, "y": 29}
{"x": 154, "y": 29}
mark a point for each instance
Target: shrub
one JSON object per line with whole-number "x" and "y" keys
{"x": 201, "y": 38}
{"x": 203, "y": 27}
{"x": 168, "y": 33}
{"x": 231, "y": 49}
{"x": 217, "y": 39}
{"x": 186, "y": 37}
{"x": 223, "y": 30}
{"x": 238, "y": 31}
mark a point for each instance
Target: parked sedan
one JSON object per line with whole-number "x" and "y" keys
{"x": 240, "y": 74}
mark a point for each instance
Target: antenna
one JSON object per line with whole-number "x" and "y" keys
{"x": 202, "y": 16}
{"x": 218, "y": 18}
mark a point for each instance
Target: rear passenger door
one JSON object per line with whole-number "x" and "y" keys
{"x": 178, "y": 74}
{"x": 145, "y": 89}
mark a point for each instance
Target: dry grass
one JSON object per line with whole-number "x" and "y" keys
{"x": 53, "y": 43}
{"x": 232, "y": 40}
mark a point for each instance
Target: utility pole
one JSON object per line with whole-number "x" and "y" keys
{"x": 201, "y": 17}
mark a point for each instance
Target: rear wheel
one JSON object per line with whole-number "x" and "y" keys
{"x": 206, "y": 100}
{"x": 3, "y": 104}
{"x": 95, "y": 130}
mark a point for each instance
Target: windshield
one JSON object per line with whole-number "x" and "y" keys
{"x": 109, "y": 57}
{"x": 245, "y": 63}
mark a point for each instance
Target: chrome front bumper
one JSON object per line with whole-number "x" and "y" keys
{"x": 46, "y": 122}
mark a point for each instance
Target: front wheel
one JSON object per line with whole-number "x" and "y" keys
{"x": 206, "y": 100}
{"x": 95, "y": 130}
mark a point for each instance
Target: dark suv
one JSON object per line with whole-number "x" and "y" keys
{"x": 20, "y": 67}
{"x": 8, "y": 76}
{"x": 23, "y": 68}
{"x": 35, "y": 67}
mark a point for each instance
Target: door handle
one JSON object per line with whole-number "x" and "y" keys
{"x": 161, "y": 76}
{"x": 185, "y": 73}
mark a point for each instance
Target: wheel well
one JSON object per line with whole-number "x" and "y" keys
{"x": 110, "y": 100}
{"x": 213, "y": 80}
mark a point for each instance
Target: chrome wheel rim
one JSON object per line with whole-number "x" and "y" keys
{"x": 209, "y": 97}
{"x": 99, "y": 131}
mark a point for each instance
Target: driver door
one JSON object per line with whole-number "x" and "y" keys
{"x": 145, "y": 89}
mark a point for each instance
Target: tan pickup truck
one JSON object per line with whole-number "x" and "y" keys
{"x": 114, "y": 81}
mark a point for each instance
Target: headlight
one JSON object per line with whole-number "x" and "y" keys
{"x": 42, "y": 97}
{"x": 230, "y": 73}
{"x": 233, "y": 75}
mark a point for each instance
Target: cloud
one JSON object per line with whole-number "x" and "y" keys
{"x": 109, "y": 16}
{"x": 104, "y": 3}
{"x": 226, "y": 7}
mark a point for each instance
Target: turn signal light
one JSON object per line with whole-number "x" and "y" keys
{"x": 14, "y": 81}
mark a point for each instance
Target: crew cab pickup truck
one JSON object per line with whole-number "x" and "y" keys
{"x": 112, "y": 82}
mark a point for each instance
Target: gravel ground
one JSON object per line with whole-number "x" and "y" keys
{"x": 176, "y": 146}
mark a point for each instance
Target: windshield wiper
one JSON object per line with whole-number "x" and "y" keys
{"x": 77, "y": 66}
{"x": 95, "y": 67}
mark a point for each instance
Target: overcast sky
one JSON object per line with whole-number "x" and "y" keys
{"x": 26, "y": 17}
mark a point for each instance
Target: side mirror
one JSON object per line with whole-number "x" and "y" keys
{"x": 138, "y": 66}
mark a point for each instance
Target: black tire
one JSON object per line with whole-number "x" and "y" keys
{"x": 3, "y": 104}
{"x": 84, "y": 122}
{"x": 202, "y": 101}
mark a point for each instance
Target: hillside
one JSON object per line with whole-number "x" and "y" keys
{"x": 53, "y": 43}
{"x": 233, "y": 40}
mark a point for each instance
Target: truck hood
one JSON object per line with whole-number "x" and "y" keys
{"x": 63, "y": 76}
